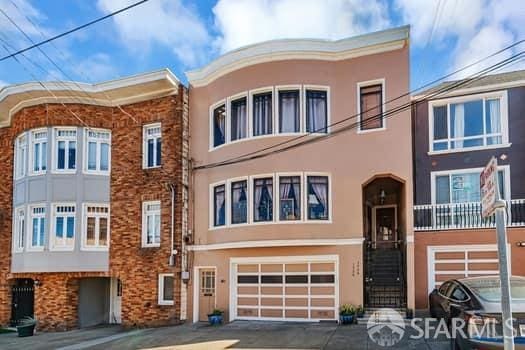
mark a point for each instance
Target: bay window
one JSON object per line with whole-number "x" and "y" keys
{"x": 239, "y": 119}
{"x": 468, "y": 123}
{"x": 317, "y": 197}
{"x": 152, "y": 146}
{"x": 263, "y": 199}
{"x": 38, "y": 227}
{"x": 65, "y": 149}
{"x": 19, "y": 229}
{"x": 39, "y": 151}
{"x": 64, "y": 227}
{"x": 98, "y": 151}
{"x": 20, "y": 156}
{"x": 239, "y": 207}
{"x": 219, "y": 205}
{"x": 219, "y": 125}
{"x": 96, "y": 227}
{"x": 262, "y": 114}
{"x": 316, "y": 111}
{"x": 371, "y": 107}
{"x": 151, "y": 224}
{"x": 289, "y": 198}
{"x": 289, "y": 111}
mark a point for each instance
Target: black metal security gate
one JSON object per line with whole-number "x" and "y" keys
{"x": 23, "y": 300}
{"x": 384, "y": 277}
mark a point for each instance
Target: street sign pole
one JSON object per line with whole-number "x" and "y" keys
{"x": 492, "y": 203}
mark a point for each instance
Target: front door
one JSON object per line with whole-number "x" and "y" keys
{"x": 206, "y": 293}
{"x": 23, "y": 299}
{"x": 116, "y": 301}
{"x": 385, "y": 228}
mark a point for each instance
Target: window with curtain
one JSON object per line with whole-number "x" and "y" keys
{"x": 290, "y": 198}
{"x": 316, "y": 111}
{"x": 219, "y": 125}
{"x": 462, "y": 187}
{"x": 474, "y": 123}
{"x": 239, "y": 121}
{"x": 371, "y": 107}
{"x": 262, "y": 114}
{"x": 263, "y": 199}
{"x": 317, "y": 197}
{"x": 151, "y": 224}
{"x": 239, "y": 201}
{"x": 96, "y": 230}
{"x": 289, "y": 111}
{"x": 64, "y": 235}
{"x": 219, "y": 205}
{"x": 98, "y": 151}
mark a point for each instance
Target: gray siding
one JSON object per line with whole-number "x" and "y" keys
{"x": 52, "y": 188}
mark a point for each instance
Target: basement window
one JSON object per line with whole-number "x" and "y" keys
{"x": 166, "y": 288}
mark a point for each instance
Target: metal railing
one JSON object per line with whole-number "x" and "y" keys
{"x": 464, "y": 216}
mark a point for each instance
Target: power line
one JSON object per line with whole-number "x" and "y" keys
{"x": 371, "y": 109}
{"x": 399, "y": 109}
{"x": 74, "y": 30}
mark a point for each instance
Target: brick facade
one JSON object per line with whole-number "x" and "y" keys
{"x": 56, "y": 296}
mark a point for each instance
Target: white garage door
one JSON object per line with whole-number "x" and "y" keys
{"x": 448, "y": 262}
{"x": 300, "y": 290}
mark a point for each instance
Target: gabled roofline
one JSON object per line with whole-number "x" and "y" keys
{"x": 287, "y": 49}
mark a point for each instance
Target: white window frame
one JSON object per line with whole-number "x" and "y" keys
{"x": 501, "y": 95}
{"x": 362, "y": 84}
{"x": 32, "y": 215}
{"x": 328, "y": 107}
{"x": 146, "y": 213}
{"x": 212, "y": 126}
{"x": 52, "y": 236}
{"x": 98, "y": 141}
{"x": 31, "y": 152}
{"x": 302, "y": 114}
{"x": 145, "y": 138}
{"x": 68, "y": 139}
{"x": 258, "y": 91}
{"x": 97, "y": 216}
{"x": 19, "y": 238}
{"x": 277, "y": 218}
{"x": 227, "y": 135}
{"x": 305, "y": 195}
{"x": 434, "y": 174}
{"x": 251, "y": 189}
{"x": 20, "y": 158}
{"x": 211, "y": 201}
{"x": 161, "y": 299}
{"x": 229, "y": 200}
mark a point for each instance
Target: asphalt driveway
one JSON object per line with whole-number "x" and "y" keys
{"x": 236, "y": 335}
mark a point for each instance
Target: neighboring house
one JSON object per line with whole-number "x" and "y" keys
{"x": 455, "y": 135}
{"x": 294, "y": 235}
{"x": 86, "y": 201}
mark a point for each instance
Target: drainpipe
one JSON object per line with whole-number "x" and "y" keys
{"x": 172, "y": 228}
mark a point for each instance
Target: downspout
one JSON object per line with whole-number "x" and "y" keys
{"x": 172, "y": 224}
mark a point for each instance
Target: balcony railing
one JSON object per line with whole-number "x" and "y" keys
{"x": 464, "y": 216}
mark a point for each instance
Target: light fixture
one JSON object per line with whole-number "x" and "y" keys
{"x": 382, "y": 196}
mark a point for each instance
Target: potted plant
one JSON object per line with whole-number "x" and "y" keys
{"x": 360, "y": 311}
{"x": 347, "y": 314}
{"x": 215, "y": 317}
{"x": 26, "y": 327}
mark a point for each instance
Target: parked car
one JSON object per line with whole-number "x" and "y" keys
{"x": 477, "y": 301}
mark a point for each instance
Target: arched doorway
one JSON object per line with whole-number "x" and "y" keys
{"x": 384, "y": 221}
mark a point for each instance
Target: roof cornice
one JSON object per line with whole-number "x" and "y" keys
{"x": 288, "y": 49}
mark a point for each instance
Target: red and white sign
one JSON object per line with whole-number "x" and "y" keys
{"x": 488, "y": 183}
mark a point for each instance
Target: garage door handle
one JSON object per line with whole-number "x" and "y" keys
{"x": 208, "y": 294}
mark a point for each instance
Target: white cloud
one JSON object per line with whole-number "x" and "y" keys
{"x": 95, "y": 68}
{"x": 20, "y": 14}
{"x": 3, "y": 83}
{"x": 169, "y": 23}
{"x": 243, "y": 22}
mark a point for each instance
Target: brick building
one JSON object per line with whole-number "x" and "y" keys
{"x": 93, "y": 194}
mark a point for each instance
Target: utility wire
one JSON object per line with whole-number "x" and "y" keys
{"x": 388, "y": 114}
{"x": 73, "y": 30}
{"x": 409, "y": 93}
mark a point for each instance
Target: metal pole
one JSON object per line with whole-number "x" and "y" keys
{"x": 501, "y": 232}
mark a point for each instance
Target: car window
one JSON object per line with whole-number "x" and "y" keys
{"x": 458, "y": 294}
{"x": 489, "y": 289}
{"x": 443, "y": 288}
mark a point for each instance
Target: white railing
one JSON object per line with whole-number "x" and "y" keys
{"x": 463, "y": 216}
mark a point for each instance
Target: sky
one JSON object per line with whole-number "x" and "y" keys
{"x": 183, "y": 35}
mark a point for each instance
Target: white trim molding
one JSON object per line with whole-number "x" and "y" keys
{"x": 277, "y": 243}
{"x": 305, "y": 49}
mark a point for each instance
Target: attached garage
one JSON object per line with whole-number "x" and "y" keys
{"x": 284, "y": 288}
{"x": 448, "y": 262}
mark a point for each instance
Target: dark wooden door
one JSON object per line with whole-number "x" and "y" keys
{"x": 23, "y": 299}
{"x": 385, "y": 226}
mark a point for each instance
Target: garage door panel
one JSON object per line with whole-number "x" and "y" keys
{"x": 483, "y": 266}
{"x": 483, "y": 255}
{"x": 286, "y": 291}
{"x": 450, "y": 266}
{"x": 450, "y": 255}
